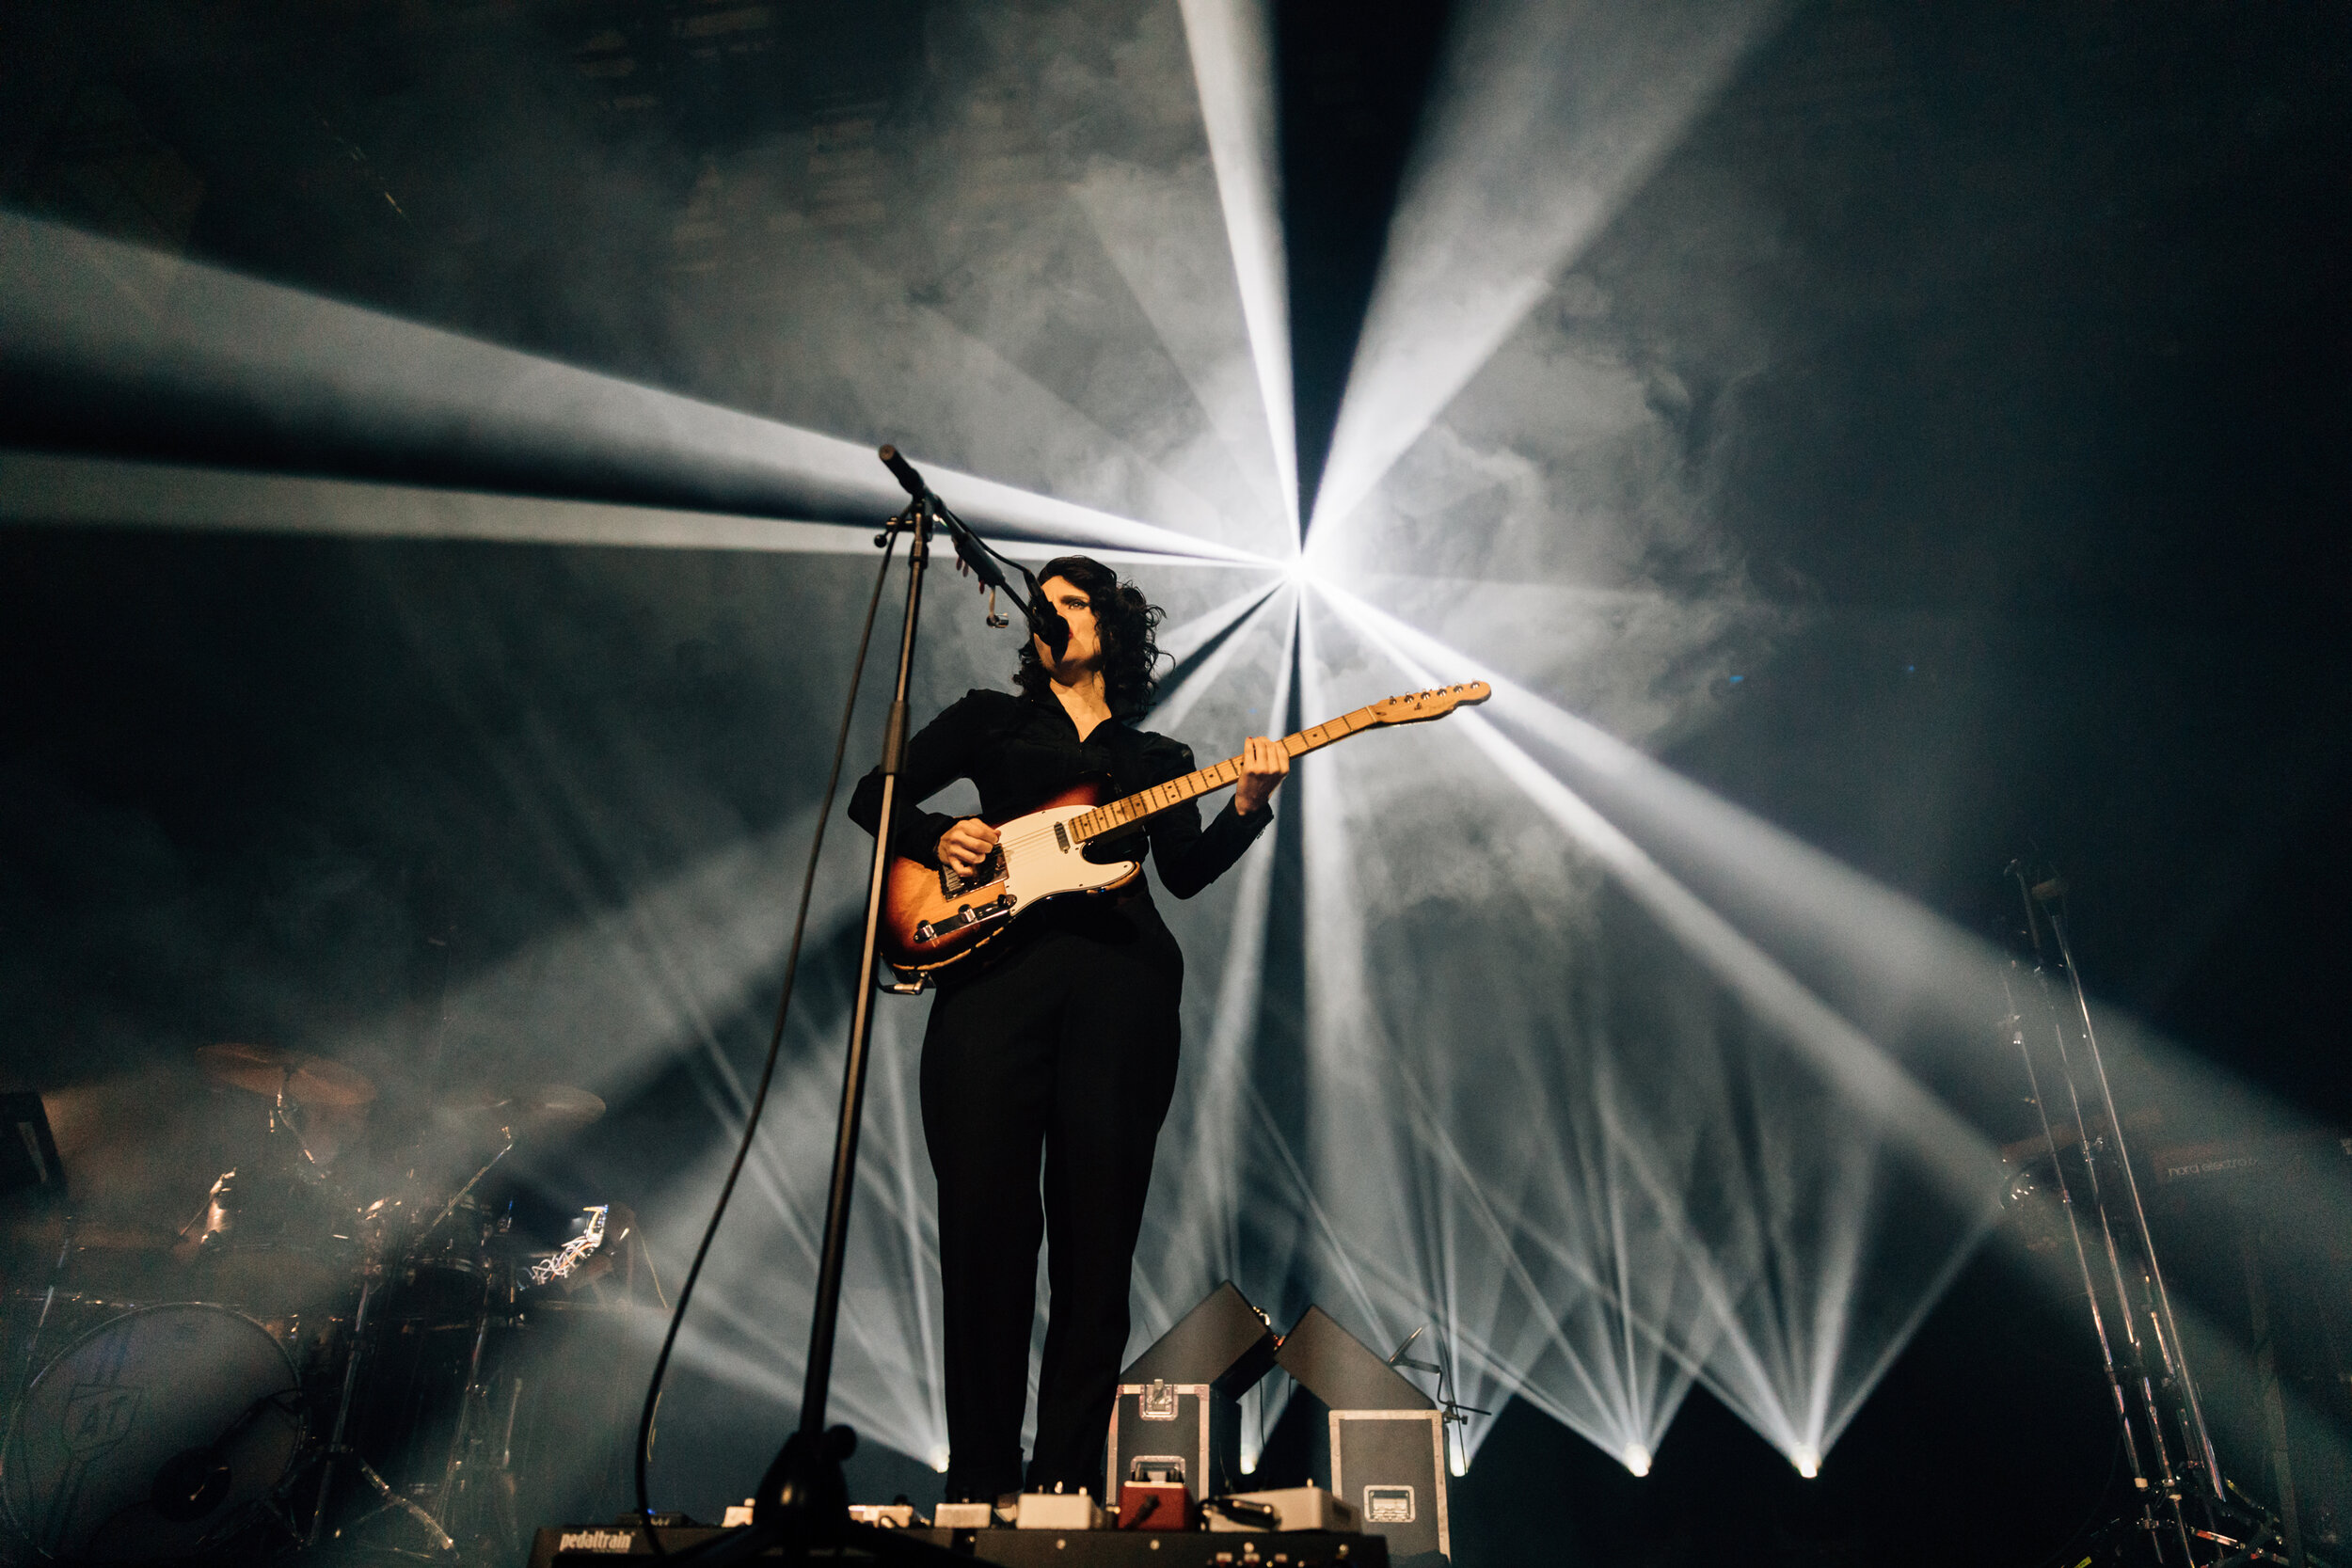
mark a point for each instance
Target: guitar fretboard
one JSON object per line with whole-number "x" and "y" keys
{"x": 1134, "y": 808}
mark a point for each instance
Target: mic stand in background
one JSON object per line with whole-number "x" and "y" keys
{"x": 802, "y": 1504}
{"x": 2145, "y": 1355}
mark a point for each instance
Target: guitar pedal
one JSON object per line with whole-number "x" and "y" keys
{"x": 1154, "y": 1505}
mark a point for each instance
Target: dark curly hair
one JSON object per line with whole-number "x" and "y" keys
{"x": 1125, "y": 621}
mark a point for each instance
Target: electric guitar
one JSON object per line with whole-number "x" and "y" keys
{"x": 933, "y": 917}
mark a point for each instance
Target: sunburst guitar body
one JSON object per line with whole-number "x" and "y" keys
{"x": 933, "y": 917}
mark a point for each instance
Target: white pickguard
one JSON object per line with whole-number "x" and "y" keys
{"x": 1038, "y": 866}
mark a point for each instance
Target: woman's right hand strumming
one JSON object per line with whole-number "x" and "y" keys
{"x": 965, "y": 846}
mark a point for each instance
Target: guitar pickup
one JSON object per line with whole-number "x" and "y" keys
{"x": 989, "y": 870}
{"x": 964, "y": 919}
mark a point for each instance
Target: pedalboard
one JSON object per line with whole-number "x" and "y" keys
{"x": 604, "y": 1546}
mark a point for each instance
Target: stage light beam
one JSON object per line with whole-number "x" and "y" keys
{"x": 319, "y": 371}
{"x": 1790, "y": 1366}
{"x": 1956, "y": 1151}
{"x": 95, "y": 491}
{"x": 1393, "y": 1177}
{"x": 1546, "y": 115}
{"x": 1233, "y": 65}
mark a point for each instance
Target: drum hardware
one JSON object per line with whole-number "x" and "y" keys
{"x": 28, "y": 1161}
{"x": 48, "y": 1304}
{"x": 388, "y": 1259}
{"x": 509, "y": 1521}
{"x": 302, "y": 1090}
{"x": 97, "y": 1269}
{"x": 464, "y": 1251}
{"x": 275, "y": 1236}
{"x": 411, "y": 1278}
{"x": 436, "y": 1366}
{"x": 286, "y": 1260}
{"x": 335, "y": 1442}
{"x": 473, "y": 1397}
{"x": 391, "y": 1498}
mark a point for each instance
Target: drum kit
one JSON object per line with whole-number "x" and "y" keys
{"x": 303, "y": 1368}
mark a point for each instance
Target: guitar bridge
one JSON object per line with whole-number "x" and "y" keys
{"x": 964, "y": 919}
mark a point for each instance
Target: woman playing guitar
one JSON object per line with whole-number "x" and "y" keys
{"x": 1059, "y": 1043}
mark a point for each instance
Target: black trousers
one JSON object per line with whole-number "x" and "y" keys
{"x": 1064, "y": 1050}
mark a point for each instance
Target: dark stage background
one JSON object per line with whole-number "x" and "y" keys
{"x": 1992, "y": 361}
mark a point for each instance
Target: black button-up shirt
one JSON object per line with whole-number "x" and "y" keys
{"x": 1021, "y": 752}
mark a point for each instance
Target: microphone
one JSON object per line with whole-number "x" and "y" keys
{"x": 1047, "y": 622}
{"x": 903, "y": 471}
{"x": 1044, "y": 619}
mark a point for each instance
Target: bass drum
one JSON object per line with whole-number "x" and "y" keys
{"x": 153, "y": 1437}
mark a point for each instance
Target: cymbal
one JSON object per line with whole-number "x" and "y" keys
{"x": 264, "y": 1070}
{"x": 540, "y": 1108}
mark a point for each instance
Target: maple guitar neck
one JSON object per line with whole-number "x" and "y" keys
{"x": 1132, "y": 809}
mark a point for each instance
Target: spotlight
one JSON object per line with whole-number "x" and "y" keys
{"x": 1636, "y": 1459}
{"x": 1808, "y": 1462}
{"x": 939, "y": 1459}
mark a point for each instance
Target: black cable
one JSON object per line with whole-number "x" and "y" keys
{"x": 767, "y": 1071}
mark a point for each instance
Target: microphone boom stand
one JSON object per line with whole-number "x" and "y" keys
{"x": 803, "y": 1502}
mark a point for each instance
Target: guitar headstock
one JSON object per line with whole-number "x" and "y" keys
{"x": 1415, "y": 706}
